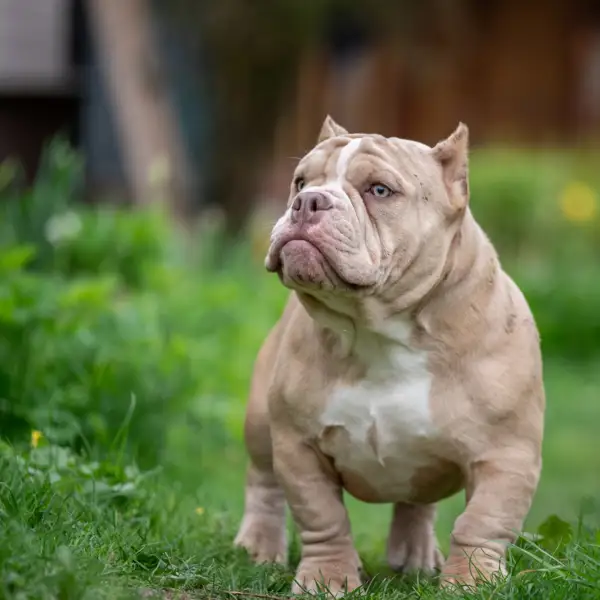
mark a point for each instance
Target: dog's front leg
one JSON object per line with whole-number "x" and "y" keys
{"x": 500, "y": 489}
{"x": 329, "y": 559}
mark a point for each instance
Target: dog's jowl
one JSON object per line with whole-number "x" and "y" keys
{"x": 406, "y": 367}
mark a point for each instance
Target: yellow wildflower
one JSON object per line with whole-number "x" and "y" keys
{"x": 199, "y": 511}
{"x": 36, "y": 436}
{"x": 579, "y": 202}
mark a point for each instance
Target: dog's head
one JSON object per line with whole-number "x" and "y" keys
{"x": 369, "y": 215}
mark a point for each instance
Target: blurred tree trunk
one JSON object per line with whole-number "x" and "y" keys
{"x": 154, "y": 156}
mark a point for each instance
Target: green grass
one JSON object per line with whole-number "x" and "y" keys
{"x": 134, "y": 363}
{"x": 71, "y": 529}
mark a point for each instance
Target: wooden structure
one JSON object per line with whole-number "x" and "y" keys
{"x": 90, "y": 69}
{"x": 524, "y": 73}
{"x": 37, "y": 84}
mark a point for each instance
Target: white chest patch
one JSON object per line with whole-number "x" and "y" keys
{"x": 380, "y": 429}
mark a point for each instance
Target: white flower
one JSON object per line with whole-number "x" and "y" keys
{"x": 159, "y": 172}
{"x": 62, "y": 227}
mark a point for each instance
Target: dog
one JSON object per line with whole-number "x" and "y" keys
{"x": 406, "y": 367}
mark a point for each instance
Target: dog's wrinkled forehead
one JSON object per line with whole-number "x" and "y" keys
{"x": 340, "y": 160}
{"x": 329, "y": 162}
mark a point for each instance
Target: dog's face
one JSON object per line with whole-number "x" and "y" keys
{"x": 367, "y": 214}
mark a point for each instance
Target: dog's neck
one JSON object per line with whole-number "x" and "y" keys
{"x": 394, "y": 320}
{"x": 469, "y": 248}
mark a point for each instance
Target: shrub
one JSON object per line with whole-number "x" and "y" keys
{"x": 105, "y": 327}
{"x": 78, "y": 359}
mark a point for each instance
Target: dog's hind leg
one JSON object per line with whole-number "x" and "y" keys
{"x": 412, "y": 545}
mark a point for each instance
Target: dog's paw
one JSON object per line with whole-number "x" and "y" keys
{"x": 415, "y": 554}
{"x": 263, "y": 538}
{"x": 330, "y": 577}
{"x": 469, "y": 566}
{"x": 412, "y": 545}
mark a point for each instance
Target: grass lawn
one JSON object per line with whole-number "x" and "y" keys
{"x": 123, "y": 381}
{"x": 74, "y": 529}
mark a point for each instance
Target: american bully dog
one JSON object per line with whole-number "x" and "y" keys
{"x": 405, "y": 368}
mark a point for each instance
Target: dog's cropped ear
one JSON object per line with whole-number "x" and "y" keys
{"x": 453, "y": 155}
{"x": 330, "y": 129}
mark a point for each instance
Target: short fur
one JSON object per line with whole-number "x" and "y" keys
{"x": 405, "y": 367}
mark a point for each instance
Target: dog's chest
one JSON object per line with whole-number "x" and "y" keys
{"x": 379, "y": 431}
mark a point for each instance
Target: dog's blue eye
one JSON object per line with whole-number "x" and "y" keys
{"x": 299, "y": 183}
{"x": 380, "y": 191}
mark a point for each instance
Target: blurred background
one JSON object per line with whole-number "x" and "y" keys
{"x": 146, "y": 148}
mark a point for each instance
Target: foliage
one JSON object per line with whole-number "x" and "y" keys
{"x": 526, "y": 204}
{"x": 124, "y": 367}
{"x": 75, "y": 357}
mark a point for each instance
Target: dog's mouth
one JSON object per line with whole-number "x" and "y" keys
{"x": 316, "y": 268}
{"x": 274, "y": 260}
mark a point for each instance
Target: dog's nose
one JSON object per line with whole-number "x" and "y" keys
{"x": 308, "y": 207}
